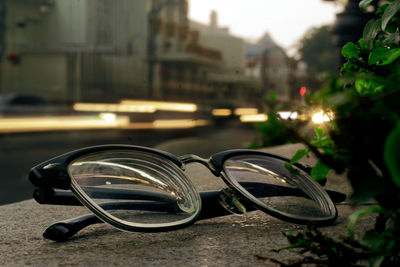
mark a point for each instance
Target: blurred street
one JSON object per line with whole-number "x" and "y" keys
{"x": 146, "y": 73}
{"x": 20, "y": 152}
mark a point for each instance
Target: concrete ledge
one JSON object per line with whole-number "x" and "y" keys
{"x": 228, "y": 241}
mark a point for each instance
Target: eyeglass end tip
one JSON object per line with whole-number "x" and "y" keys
{"x": 57, "y": 232}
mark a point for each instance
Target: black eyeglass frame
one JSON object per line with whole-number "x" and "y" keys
{"x": 53, "y": 174}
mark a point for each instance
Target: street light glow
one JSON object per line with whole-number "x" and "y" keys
{"x": 108, "y": 116}
{"x": 288, "y": 115}
{"x": 321, "y": 117}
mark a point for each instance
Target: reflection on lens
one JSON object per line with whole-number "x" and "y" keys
{"x": 135, "y": 187}
{"x": 271, "y": 185}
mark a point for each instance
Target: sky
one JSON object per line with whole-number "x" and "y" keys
{"x": 285, "y": 20}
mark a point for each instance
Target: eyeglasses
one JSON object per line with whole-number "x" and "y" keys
{"x": 140, "y": 189}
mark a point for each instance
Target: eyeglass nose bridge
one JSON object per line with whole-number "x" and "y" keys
{"x": 190, "y": 158}
{"x": 227, "y": 197}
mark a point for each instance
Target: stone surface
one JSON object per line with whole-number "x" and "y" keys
{"x": 228, "y": 241}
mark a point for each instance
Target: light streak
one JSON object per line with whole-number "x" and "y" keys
{"x": 110, "y": 107}
{"x": 245, "y": 111}
{"x": 221, "y": 112}
{"x": 165, "y": 106}
{"x": 254, "y": 118}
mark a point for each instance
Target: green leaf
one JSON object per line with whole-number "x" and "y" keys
{"x": 371, "y": 30}
{"x": 325, "y": 142}
{"x": 321, "y": 140}
{"x": 367, "y": 87}
{"x": 391, "y": 56}
{"x": 319, "y": 171}
{"x": 390, "y": 11}
{"x": 392, "y": 154}
{"x": 354, "y": 217}
{"x": 391, "y": 28}
{"x": 298, "y": 240}
{"x": 364, "y": 3}
{"x": 383, "y": 56}
{"x": 362, "y": 44}
{"x": 381, "y": 9}
{"x": 376, "y": 55}
{"x": 328, "y": 150}
{"x": 377, "y": 261}
{"x": 319, "y": 132}
{"x": 374, "y": 240}
{"x": 349, "y": 68}
{"x": 298, "y": 155}
{"x": 351, "y": 51}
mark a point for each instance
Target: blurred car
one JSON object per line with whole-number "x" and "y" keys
{"x": 13, "y": 104}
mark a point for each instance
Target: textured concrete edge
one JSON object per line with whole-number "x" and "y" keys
{"x": 231, "y": 240}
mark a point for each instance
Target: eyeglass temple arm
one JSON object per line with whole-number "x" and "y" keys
{"x": 61, "y": 231}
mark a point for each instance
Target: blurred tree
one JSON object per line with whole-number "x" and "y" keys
{"x": 317, "y": 50}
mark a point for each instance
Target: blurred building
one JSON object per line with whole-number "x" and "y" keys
{"x": 179, "y": 65}
{"x": 62, "y": 49}
{"x": 275, "y": 72}
{"x": 230, "y": 81}
{"x": 100, "y": 50}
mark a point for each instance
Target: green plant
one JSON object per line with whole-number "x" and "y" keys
{"x": 273, "y": 131}
{"x": 363, "y": 139}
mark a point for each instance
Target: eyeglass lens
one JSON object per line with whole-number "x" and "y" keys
{"x": 268, "y": 181}
{"x": 139, "y": 188}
